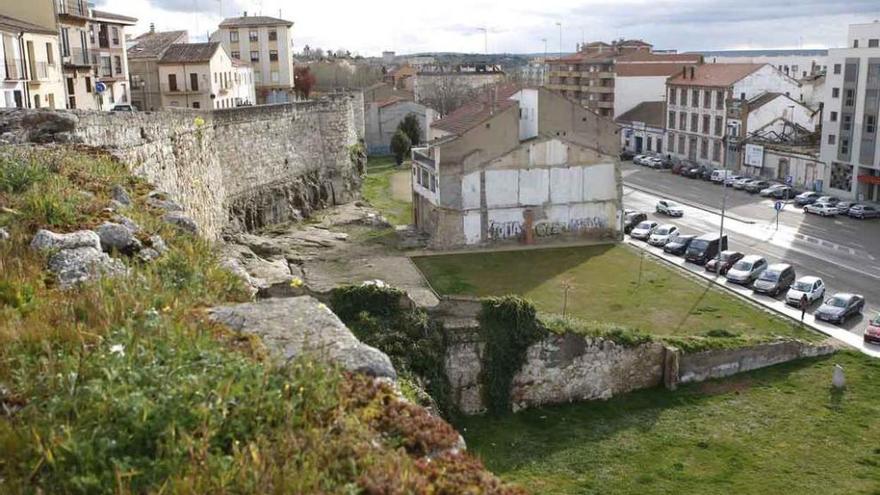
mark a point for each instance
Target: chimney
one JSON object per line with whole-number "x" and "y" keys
{"x": 244, "y": 14}
{"x": 684, "y": 72}
{"x": 152, "y": 27}
{"x": 692, "y": 72}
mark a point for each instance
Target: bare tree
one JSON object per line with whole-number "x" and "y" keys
{"x": 444, "y": 92}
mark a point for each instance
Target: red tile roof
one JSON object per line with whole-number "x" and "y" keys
{"x": 477, "y": 111}
{"x": 716, "y": 75}
{"x": 649, "y": 112}
{"x": 649, "y": 69}
{"x": 642, "y": 56}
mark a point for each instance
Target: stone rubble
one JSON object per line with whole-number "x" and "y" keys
{"x": 118, "y": 237}
{"x": 120, "y": 195}
{"x": 182, "y": 221}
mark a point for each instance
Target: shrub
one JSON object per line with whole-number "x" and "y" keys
{"x": 400, "y": 146}
{"x": 18, "y": 174}
{"x": 410, "y": 126}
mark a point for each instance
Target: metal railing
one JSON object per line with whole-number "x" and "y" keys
{"x": 78, "y": 56}
{"x": 72, "y": 7}
{"x": 40, "y": 71}
{"x": 181, "y": 89}
{"x": 13, "y": 69}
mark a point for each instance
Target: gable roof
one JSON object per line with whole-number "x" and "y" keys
{"x": 110, "y": 16}
{"x": 649, "y": 112}
{"x": 154, "y": 44}
{"x": 716, "y": 75}
{"x": 477, "y": 111}
{"x": 254, "y": 20}
{"x": 13, "y": 25}
{"x": 189, "y": 53}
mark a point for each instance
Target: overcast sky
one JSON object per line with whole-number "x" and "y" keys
{"x": 518, "y": 26}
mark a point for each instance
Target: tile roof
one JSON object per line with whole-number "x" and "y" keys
{"x": 478, "y": 110}
{"x": 110, "y": 16}
{"x": 254, "y": 20}
{"x": 189, "y": 53}
{"x": 13, "y": 25}
{"x": 154, "y": 44}
{"x": 642, "y": 56}
{"x": 762, "y": 99}
{"x": 716, "y": 75}
{"x": 648, "y": 69}
{"x": 649, "y": 112}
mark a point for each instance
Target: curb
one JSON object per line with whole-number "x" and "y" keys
{"x": 698, "y": 206}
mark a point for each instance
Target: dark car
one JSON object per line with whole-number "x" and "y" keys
{"x": 840, "y": 307}
{"x": 704, "y": 248}
{"x": 783, "y": 193}
{"x": 863, "y": 211}
{"x": 626, "y": 155}
{"x": 631, "y": 219}
{"x": 775, "y": 279}
{"x": 706, "y": 173}
{"x": 806, "y": 198}
{"x": 756, "y": 185}
{"x": 679, "y": 245}
{"x": 721, "y": 264}
{"x": 693, "y": 172}
{"x": 679, "y": 168}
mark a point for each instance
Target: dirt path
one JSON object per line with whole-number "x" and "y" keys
{"x": 401, "y": 186}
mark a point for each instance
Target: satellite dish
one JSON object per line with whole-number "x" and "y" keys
{"x": 100, "y": 87}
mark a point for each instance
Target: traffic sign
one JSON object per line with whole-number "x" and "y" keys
{"x": 100, "y": 87}
{"x": 779, "y": 205}
{"x": 789, "y": 180}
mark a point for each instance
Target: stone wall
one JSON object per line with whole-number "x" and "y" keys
{"x": 240, "y": 168}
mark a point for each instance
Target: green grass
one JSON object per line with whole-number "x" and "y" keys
{"x": 378, "y": 191}
{"x": 777, "y": 430}
{"x": 608, "y": 286}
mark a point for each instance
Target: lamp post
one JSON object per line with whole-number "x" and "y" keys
{"x": 485, "y": 40}
{"x": 560, "y": 37}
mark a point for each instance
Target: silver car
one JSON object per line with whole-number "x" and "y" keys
{"x": 746, "y": 270}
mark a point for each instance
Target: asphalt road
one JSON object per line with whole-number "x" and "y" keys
{"x": 844, "y": 252}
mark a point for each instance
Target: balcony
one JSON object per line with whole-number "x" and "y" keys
{"x": 179, "y": 89}
{"x": 40, "y": 71}
{"x": 78, "y": 57}
{"x": 419, "y": 155}
{"x": 72, "y": 8}
{"x": 13, "y": 70}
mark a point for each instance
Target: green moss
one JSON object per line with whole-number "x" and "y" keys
{"x": 618, "y": 334}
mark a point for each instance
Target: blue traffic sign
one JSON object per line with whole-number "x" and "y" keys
{"x": 100, "y": 87}
{"x": 789, "y": 180}
{"x": 779, "y": 205}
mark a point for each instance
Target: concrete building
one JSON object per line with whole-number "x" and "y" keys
{"x": 143, "y": 59}
{"x": 794, "y": 63}
{"x": 13, "y": 82}
{"x": 383, "y": 117}
{"x": 108, "y": 52}
{"x": 32, "y": 25}
{"x": 534, "y": 72}
{"x": 705, "y": 105}
{"x": 76, "y": 60}
{"x": 850, "y": 146}
{"x": 590, "y": 75}
{"x": 642, "y": 128}
{"x": 200, "y": 75}
{"x": 799, "y": 164}
{"x": 267, "y": 44}
{"x": 525, "y": 165}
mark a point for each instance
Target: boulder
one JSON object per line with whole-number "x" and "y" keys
{"x": 4, "y": 234}
{"x": 119, "y": 194}
{"x": 128, "y": 223}
{"x": 159, "y": 199}
{"x": 118, "y": 237}
{"x": 181, "y": 221}
{"x": 148, "y": 255}
{"x": 82, "y": 264}
{"x": 46, "y": 240}
{"x": 296, "y": 326}
{"x": 157, "y": 243}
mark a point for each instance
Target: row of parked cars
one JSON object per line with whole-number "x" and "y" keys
{"x": 750, "y": 270}
{"x": 829, "y": 206}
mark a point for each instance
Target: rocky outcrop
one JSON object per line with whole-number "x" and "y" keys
{"x": 273, "y": 277}
{"x": 76, "y": 258}
{"x": 291, "y": 327}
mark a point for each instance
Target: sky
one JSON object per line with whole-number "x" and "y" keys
{"x": 519, "y": 26}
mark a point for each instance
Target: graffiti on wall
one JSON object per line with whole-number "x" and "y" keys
{"x": 515, "y": 229}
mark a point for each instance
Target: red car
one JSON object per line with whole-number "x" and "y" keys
{"x": 872, "y": 333}
{"x": 728, "y": 259}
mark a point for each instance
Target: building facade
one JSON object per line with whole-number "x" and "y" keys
{"x": 143, "y": 58}
{"x": 642, "y": 128}
{"x": 13, "y": 83}
{"x": 33, "y": 26}
{"x": 109, "y": 57}
{"x": 201, "y": 75}
{"x": 850, "y": 147}
{"x": 518, "y": 165}
{"x": 383, "y": 117}
{"x": 266, "y": 43}
{"x": 793, "y": 63}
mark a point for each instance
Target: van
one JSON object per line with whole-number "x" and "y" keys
{"x": 705, "y": 247}
{"x": 719, "y": 176}
{"x": 775, "y": 279}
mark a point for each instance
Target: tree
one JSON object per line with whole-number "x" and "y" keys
{"x": 410, "y": 126}
{"x": 303, "y": 81}
{"x": 400, "y": 146}
{"x": 445, "y": 92}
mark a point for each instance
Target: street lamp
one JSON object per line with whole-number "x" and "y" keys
{"x": 560, "y": 37}
{"x": 485, "y": 39}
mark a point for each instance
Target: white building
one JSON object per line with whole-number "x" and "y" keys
{"x": 201, "y": 75}
{"x": 794, "y": 63}
{"x": 850, "y": 146}
{"x": 383, "y": 117}
{"x": 13, "y": 81}
{"x": 642, "y": 129}
{"x": 534, "y": 72}
{"x": 266, "y": 43}
{"x": 641, "y": 77}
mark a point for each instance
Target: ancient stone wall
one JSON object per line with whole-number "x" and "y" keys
{"x": 240, "y": 168}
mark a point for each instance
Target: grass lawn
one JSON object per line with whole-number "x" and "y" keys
{"x": 379, "y": 189}
{"x": 777, "y": 430}
{"x": 606, "y": 286}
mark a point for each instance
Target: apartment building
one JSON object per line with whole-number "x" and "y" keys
{"x": 203, "y": 75}
{"x": 266, "y": 43}
{"x": 643, "y": 129}
{"x": 13, "y": 83}
{"x": 33, "y": 27}
{"x": 143, "y": 62}
{"x": 517, "y": 165}
{"x": 704, "y": 106}
{"x": 76, "y": 61}
{"x": 108, "y": 51}
{"x": 850, "y": 146}
{"x": 592, "y": 75}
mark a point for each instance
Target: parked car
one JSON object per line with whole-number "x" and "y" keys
{"x": 832, "y": 200}
{"x": 821, "y": 209}
{"x": 872, "y": 333}
{"x": 680, "y": 167}
{"x": 812, "y": 287}
{"x": 631, "y": 219}
{"x": 768, "y": 191}
{"x": 731, "y": 179}
{"x": 806, "y": 198}
{"x": 704, "y": 248}
{"x": 844, "y": 206}
{"x": 626, "y": 155}
{"x": 643, "y": 230}
{"x": 775, "y": 280}
{"x": 670, "y": 208}
{"x": 840, "y": 307}
{"x": 784, "y": 192}
{"x": 706, "y": 173}
{"x": 693, "y": 172}
{"x": 741, "y": 182}
{"x": 663, "y": 234}
{"x": 653, "y": 162}
{"x": 638, "y": 159}
{"x": 756, "y": 185}
{"x": 720, "y": 176}
{"x": 721, "y": 264}
{"x": 863, "y": 211}
{"x": 679, "y": 245}
{"x": 747, "y": 270}
{"x": 123, "y": 107}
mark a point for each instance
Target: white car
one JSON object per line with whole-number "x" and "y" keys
{"x": 741, "y": 183}
{"x": 821, "y": 209}
{"x": 643, "y": 230}
{"x": 812, "y": 287}
{"x": 746, "y": 270}
{"x": 653, "y": 162}
{"x": 639, "y": 159}
{"x": 670, "y": 208}
{"x": 770, "y": 190}
{"x": 663, "y": 234}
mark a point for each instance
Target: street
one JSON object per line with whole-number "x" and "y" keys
{"x": 842, "y": 251}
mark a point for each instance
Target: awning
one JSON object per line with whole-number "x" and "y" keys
{"x": 869, "y": 179}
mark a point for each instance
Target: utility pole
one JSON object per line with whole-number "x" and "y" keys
{"x": 485, "y": 40}
{"x": 560, "y": 37}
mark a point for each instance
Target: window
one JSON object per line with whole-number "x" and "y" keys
{"x": 695, "y": 98}
{"x": 837, "y": 68}
{"x": 255, "y": 56}
{"x": 719, "y": 100}
{"x": 649, "y": 143}
{"x": 50, "y": 54}
{"x": 695, "y": 123}
{"x": 873, "y": 43}
{"x": 273, "y": 35}
{"x": 197, "y": 104}
{"x": 704, "y": 148}
{"x": 65, "y": 42}
{"x": 847, "y": 123}
{"x": 672, "y": 143}
{"x": 718, "y": 125}
{"x": 115, "y": 36}
{"x": 855, "y": 43}
{"x": 172, "y": 82}
{"x": 258, "y": 77}
{"x": 106, "y": 66}
{"x": 844, "y": 146}
{"x": 682, "y": 121}
{"x": 117, "y": 64}
{"x": 835, "y": 92}
{"x": 850, "y": 98}
{"x": 253, "y": 36}
{"x": 707, "y": 99}
{"x": 274, "y": 76}
{"x": 233, "y": 36}
{"x": 716, "y": 151}
{"x": 870, "y": 124}
{"x": 681, "y": 149}
{"x": 833, "y": 117}
{"x": 194, "y": 81}
{"x": 236, "y": 55}
{"x": 273, "y": 55}
{"x": 37, "y": 101}
{"x": 684, "y": 97}
{"x": 659, "y": 146}
{"x": 88, "y": 85}
{"x": 832, "y": 139}
{"x": 706, "y": 129}
{"x": 672, "y": 92}
{"x": 672, "y": 120}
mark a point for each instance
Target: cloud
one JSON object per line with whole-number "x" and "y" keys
{"x": 196, "y": 6}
